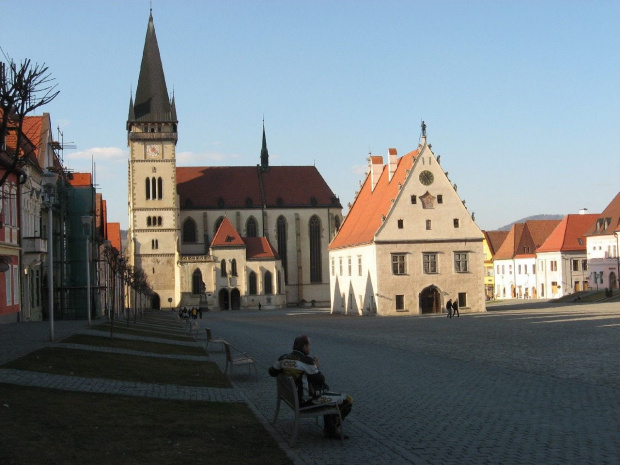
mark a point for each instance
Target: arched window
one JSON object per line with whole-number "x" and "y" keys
{"x": 281, "y": 237}
{"x": 153, "y": 189}
{"x": 233, "y": 267}
{"x": 148, "y": 189}
{"x": 196, "y": 282}
{"x": 148, "y": 220}
{"x": 159, "y": 221}
{"x": 160, "y": 188}
{"x": 217, "y": 224}
{"x": 268, "y": 283}
{"x": 189, "y": 231}
{"x": 315, "y": 249}
{"x": 223, "y": 268}
{"x": 251, "y": 227}
{"x": 252, "y": 284}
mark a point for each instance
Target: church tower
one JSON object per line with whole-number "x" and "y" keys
{"x": 153, "y": 210}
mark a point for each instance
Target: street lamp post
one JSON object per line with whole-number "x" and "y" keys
{"x": 48, "y": 182}
{"x": 87, "y": 221}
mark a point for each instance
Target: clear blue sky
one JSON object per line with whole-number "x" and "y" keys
{"x": 521, "y": 98}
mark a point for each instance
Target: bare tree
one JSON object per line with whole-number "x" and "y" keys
{"x": 23, "y": 89}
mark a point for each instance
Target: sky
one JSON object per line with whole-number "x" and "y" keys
{"x": 521, "y": 98}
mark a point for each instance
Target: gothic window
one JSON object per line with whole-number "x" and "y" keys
{"x": 148, "y": 189}
{"x": 281, "y": 237}
{"x": 189, "y": 231}
{"x": 155, "y": 244}
{"x": 160, "y": 188}
{"x": 233, "y": 267}
{"x": 268, "y": 283}
{"x": 251, "y": 227}
{"x": 223, "y": 271}
{"x": 315, "y": 249}
{"x": 153, "y": 188}
{"x": 337, "y": 223}
{"x": 148, "y": 220}
{"x": 159, "y": 221}
{"x": 196, "y": 282}
{"x": 252, "y": 283}
{"x": 217, "y": 224}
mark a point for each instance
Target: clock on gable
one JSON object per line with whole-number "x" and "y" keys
{"x": 426, "y": 178}
{"x": 152, "y": 151}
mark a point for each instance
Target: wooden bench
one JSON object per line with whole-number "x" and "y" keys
{"x": 210, "y": 339}
{"x": 287, "y": 393}
{"x": 237, "y": 359}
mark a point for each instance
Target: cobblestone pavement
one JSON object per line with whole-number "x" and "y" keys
{"x": 539, "y": 386}
{"x": 526, "y": 386}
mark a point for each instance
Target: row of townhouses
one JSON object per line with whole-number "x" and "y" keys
{"x": 54, "y": 234}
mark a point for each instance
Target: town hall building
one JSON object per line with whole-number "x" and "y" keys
{"x": 226, "y": 237}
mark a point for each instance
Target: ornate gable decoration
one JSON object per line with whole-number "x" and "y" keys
{"x": 428, "y": 200}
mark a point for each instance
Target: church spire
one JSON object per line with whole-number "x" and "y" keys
{"x": 152, "y": 103}
{"x": 264, "y": 154}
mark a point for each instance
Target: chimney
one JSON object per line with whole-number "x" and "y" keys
{"x": 583, "y": 211}
{"x": 376, "y": 167}
{"x": 392, "y": 162}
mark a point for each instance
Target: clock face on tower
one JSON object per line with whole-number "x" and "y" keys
{"x": 426, "y": 178}
{"x": 152, "y": 151}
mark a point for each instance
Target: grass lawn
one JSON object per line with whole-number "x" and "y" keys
{"x": 45, "y": 426}
{"x": 131, "y": 344}
{"x": 138, "y": 331}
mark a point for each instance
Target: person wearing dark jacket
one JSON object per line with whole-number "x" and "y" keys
{"x": 310, "y": 382}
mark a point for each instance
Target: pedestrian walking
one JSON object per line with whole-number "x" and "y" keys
{"x": 449, "y": 308}
{"x": 455, "y": 308}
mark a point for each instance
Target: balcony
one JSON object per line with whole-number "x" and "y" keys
{"x": 34, "y": 245}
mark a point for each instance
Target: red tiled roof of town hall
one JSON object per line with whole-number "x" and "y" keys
{"x": 565, "y": 237}
{"x": 227, "y": 236}
{"x": 240, "y": 187}
{"x": 80, "y": 180}
{"x": 114, "y": 235}
{"x": 612, "y": 211}
{"x": 364, "y": 219}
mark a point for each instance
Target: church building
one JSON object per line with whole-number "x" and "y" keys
{"x": 224, "y": 237}
{"x": 408, "y": 244}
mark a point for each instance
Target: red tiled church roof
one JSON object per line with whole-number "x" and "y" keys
{"x": 256, "y": 247}
{"x": 227, "y": 236}
{"x": 259, "y": 248}
{"x": 240, "y": 187}
{"x": 365, "y": 217}
{"x": 569, "y": 234}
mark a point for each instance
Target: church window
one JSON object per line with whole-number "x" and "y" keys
{"x": 281, "y": 236}
{"x": 315, "y": 250}
{"x": 223, "y": 271}
{"x": 252, "y": 283}
{"x": 268, "y": 283}
{"x": 153, "y": 188}
{"x": 196, "y": 282}
{"x": 159, "y": 221}
{"x": 160, "y": 189}
{"x": 189, "y": 231}
{"x": 337, "y": 223}
{"x": 148, "y": 220}
{"x": 233, "y": 267}
{"x": 155, "y": 244}
{"x": 251, "y": 227}
{"x": 218, "y": 224}
{"x": 148, "y": 189}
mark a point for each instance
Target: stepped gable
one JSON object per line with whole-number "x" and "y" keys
{"x": 608, "y": 222}
{"x": 240, "y": 187}
{"x": 227, "y": 236}
{"x": 568, "y": 236}
{"x": 365, "y": 217}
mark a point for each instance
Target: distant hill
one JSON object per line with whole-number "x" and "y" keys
{"x": 533, "y": 217}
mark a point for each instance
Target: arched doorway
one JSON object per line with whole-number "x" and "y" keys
{"x": 155, "y": 302}
{"x": 235, "y": 299}
{"x": 430, "y": 300}
{"x": 223, "y": 299}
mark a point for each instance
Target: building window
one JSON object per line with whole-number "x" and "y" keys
{"x": 268, "y": 283}
{"x": 281, "y": 235}
{"x": 553, "y": 265}
{"x": 251, "y": 227}
{"x": 315, "y": 250}
{"x": 462, "y": 299}
{"x": 333, "y": 266}
{"x": 461, "y": 262}
{"x": 519, "y": 270}
{"x": 153, "y": 188}
{"x": 159, "y": 221}
{"x": 584, "y": 265}
{"x": 252, "y": 283}
{"x": 148, "y": 189}
{"x": 414, "y": 199}
{"x": 439, "y": 198}
{"x": 575, "y": 265}
{"x": 340, "y": 266}
{"x": 400, "y": 224}
{"x": 400, "y": 302}
{"x": 223, "y": 271}
{"x": 428, "y": 225}
{"x": 349, "y": 266}
{"x": 398, "y": 263}
{"x": 154, "y": 244}
{"x": 233, "y": 267}
{"x": 189, "y": 231}
{"x": 456, "y": 223}
{"x": 359, "y": 265}
{"x": 196, "y": 282}
{"x": 429, "y": 261}
{"x": 160, "y": 188}
{"x": 148, "y": 220}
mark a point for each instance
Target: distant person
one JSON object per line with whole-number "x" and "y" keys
{"x": 200, "y": 312}
{"x": 449, "y": 308}
{"x": 455, "y": 308}
{"x": 259, "y": 307}
{"x": 194, "y": 313}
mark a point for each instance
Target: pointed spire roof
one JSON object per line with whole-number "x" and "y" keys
{"x": 264, "y": 154}
{"x": 152, "y": 103}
